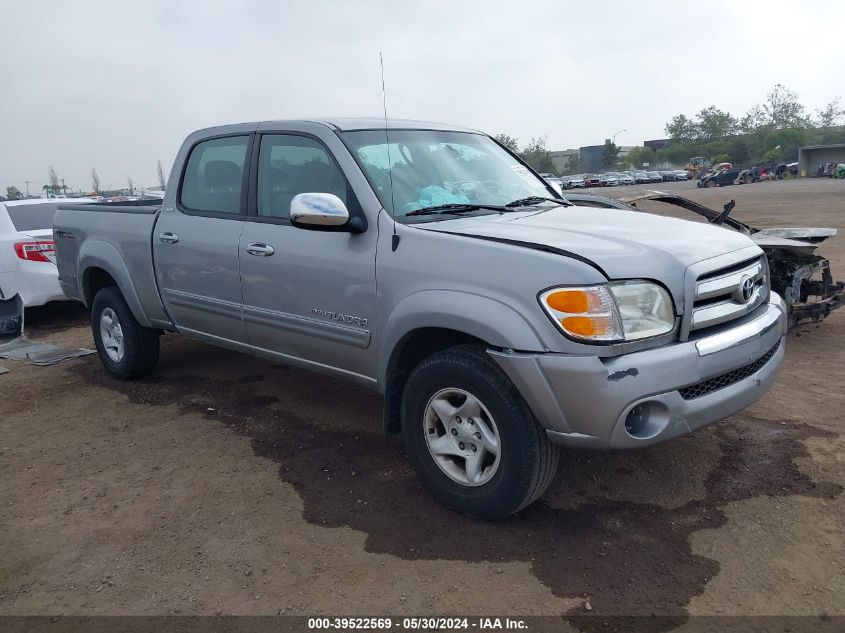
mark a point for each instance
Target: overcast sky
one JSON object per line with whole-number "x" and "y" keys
{"x": 117, "y": 85}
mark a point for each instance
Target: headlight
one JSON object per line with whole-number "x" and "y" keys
{"x": 645, "y": 308}
{"x": 616, "y": 312}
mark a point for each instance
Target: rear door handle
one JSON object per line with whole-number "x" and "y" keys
{"x": 260, "y": 249}
{"x": 168, "y": 238}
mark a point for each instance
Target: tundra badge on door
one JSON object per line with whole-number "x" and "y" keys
{"x": 339, "y": 316}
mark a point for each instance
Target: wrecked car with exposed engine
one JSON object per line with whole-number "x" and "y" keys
{"x": 798, "y": 274}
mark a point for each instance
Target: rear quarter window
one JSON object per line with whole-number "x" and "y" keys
{"x": 32, "y": 217}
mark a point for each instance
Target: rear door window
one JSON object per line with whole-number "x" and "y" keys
{"x": 213, "y": 177}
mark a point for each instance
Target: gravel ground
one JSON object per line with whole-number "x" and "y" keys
{"x": 228, "y": 484}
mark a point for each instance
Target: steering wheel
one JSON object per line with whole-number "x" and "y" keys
{"x": 403, "y": 150}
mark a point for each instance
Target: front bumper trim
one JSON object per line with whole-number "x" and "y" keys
{"x": 753, "y": 329}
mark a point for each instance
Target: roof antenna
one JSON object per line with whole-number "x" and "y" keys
{"x": 395, "y": 242}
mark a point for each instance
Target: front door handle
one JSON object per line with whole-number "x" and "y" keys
{"x": 168, "y": 238}
{"x": 260, "y": 249}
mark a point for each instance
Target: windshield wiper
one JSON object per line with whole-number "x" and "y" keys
{"x": 465, "y": 207}
{"x": 524, "y": 202}
{"x": 460, "y": 207}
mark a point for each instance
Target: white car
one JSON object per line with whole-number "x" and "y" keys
{"x": 27, "y": 258}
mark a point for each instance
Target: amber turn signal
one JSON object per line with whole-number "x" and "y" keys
{"x": 585, "y": 325}
{"x": 570, "y": 301}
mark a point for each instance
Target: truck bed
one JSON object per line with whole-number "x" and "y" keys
{"x": 115, "y": 238}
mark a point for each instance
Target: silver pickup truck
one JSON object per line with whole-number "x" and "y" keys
{"x": 429, "y": 263}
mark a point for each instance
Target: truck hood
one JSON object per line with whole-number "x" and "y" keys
{"x": 622, "y": 244}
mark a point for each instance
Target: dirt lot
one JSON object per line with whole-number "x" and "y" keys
{"x": 226, "y": 484}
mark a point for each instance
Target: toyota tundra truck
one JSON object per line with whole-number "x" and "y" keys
{"x": 431, "y": 264}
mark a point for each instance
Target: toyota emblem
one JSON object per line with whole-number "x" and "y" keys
{"x": 746, "y": 289}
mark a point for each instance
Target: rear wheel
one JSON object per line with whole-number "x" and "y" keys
{"x": 127, "y": 349}
{"x": 471, "y": 438}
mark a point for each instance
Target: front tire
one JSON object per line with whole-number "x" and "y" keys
{"x": 127, "y": 349}
{"x": 471, "y": 438}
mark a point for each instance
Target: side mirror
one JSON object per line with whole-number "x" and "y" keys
{"x": 322, "y": 212}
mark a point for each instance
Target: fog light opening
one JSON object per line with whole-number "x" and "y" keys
{"x": 637, "y": 419}
{"x": 646, "y": 419}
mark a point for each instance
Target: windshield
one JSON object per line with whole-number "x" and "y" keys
{"x": 432, "y": 168}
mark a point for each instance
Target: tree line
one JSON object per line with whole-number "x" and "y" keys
{"x": 56, "y": 186}
{"x": 536, "y": 154}
{"x": 772, "y": 130}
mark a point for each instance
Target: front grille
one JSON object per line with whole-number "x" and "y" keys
{"x": 719, "y": 294}
{"x": 725, "y": 380}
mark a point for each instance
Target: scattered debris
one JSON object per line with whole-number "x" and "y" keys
{"x": 41, "y": 354}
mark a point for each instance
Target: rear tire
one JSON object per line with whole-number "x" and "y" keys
{"x": 127, "y": 349}
{"x": 455, "y": 396}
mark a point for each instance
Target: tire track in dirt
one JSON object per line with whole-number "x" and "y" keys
{"x": 636, "y": 556}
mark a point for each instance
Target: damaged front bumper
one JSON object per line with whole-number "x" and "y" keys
{"x": 807, "y": 285}
{"x": 646, "y": 397}
{"x": 818, "y": 310}
{"x": 11, "y": 318}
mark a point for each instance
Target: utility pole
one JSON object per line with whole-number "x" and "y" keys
{"x": 64, "y": 188}
{"x": 27, "y": 187}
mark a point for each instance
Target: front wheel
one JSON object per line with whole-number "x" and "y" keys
{"x": 127, "y": 349}
{"x": 471, "y": 438}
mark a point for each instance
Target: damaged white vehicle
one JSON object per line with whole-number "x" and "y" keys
{"x": 28, "y": 273}
{"x": 801, "y": 277}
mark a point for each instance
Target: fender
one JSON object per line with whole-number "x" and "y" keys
{"x": 100, "y": 254}
{"x": 488, "y": 319}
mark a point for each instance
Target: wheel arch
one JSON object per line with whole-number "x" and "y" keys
{"x": 100, "y": 266}
{"x": 430, "y": 321}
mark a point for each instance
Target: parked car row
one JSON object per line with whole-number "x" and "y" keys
{"x": 614, "y": 178}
